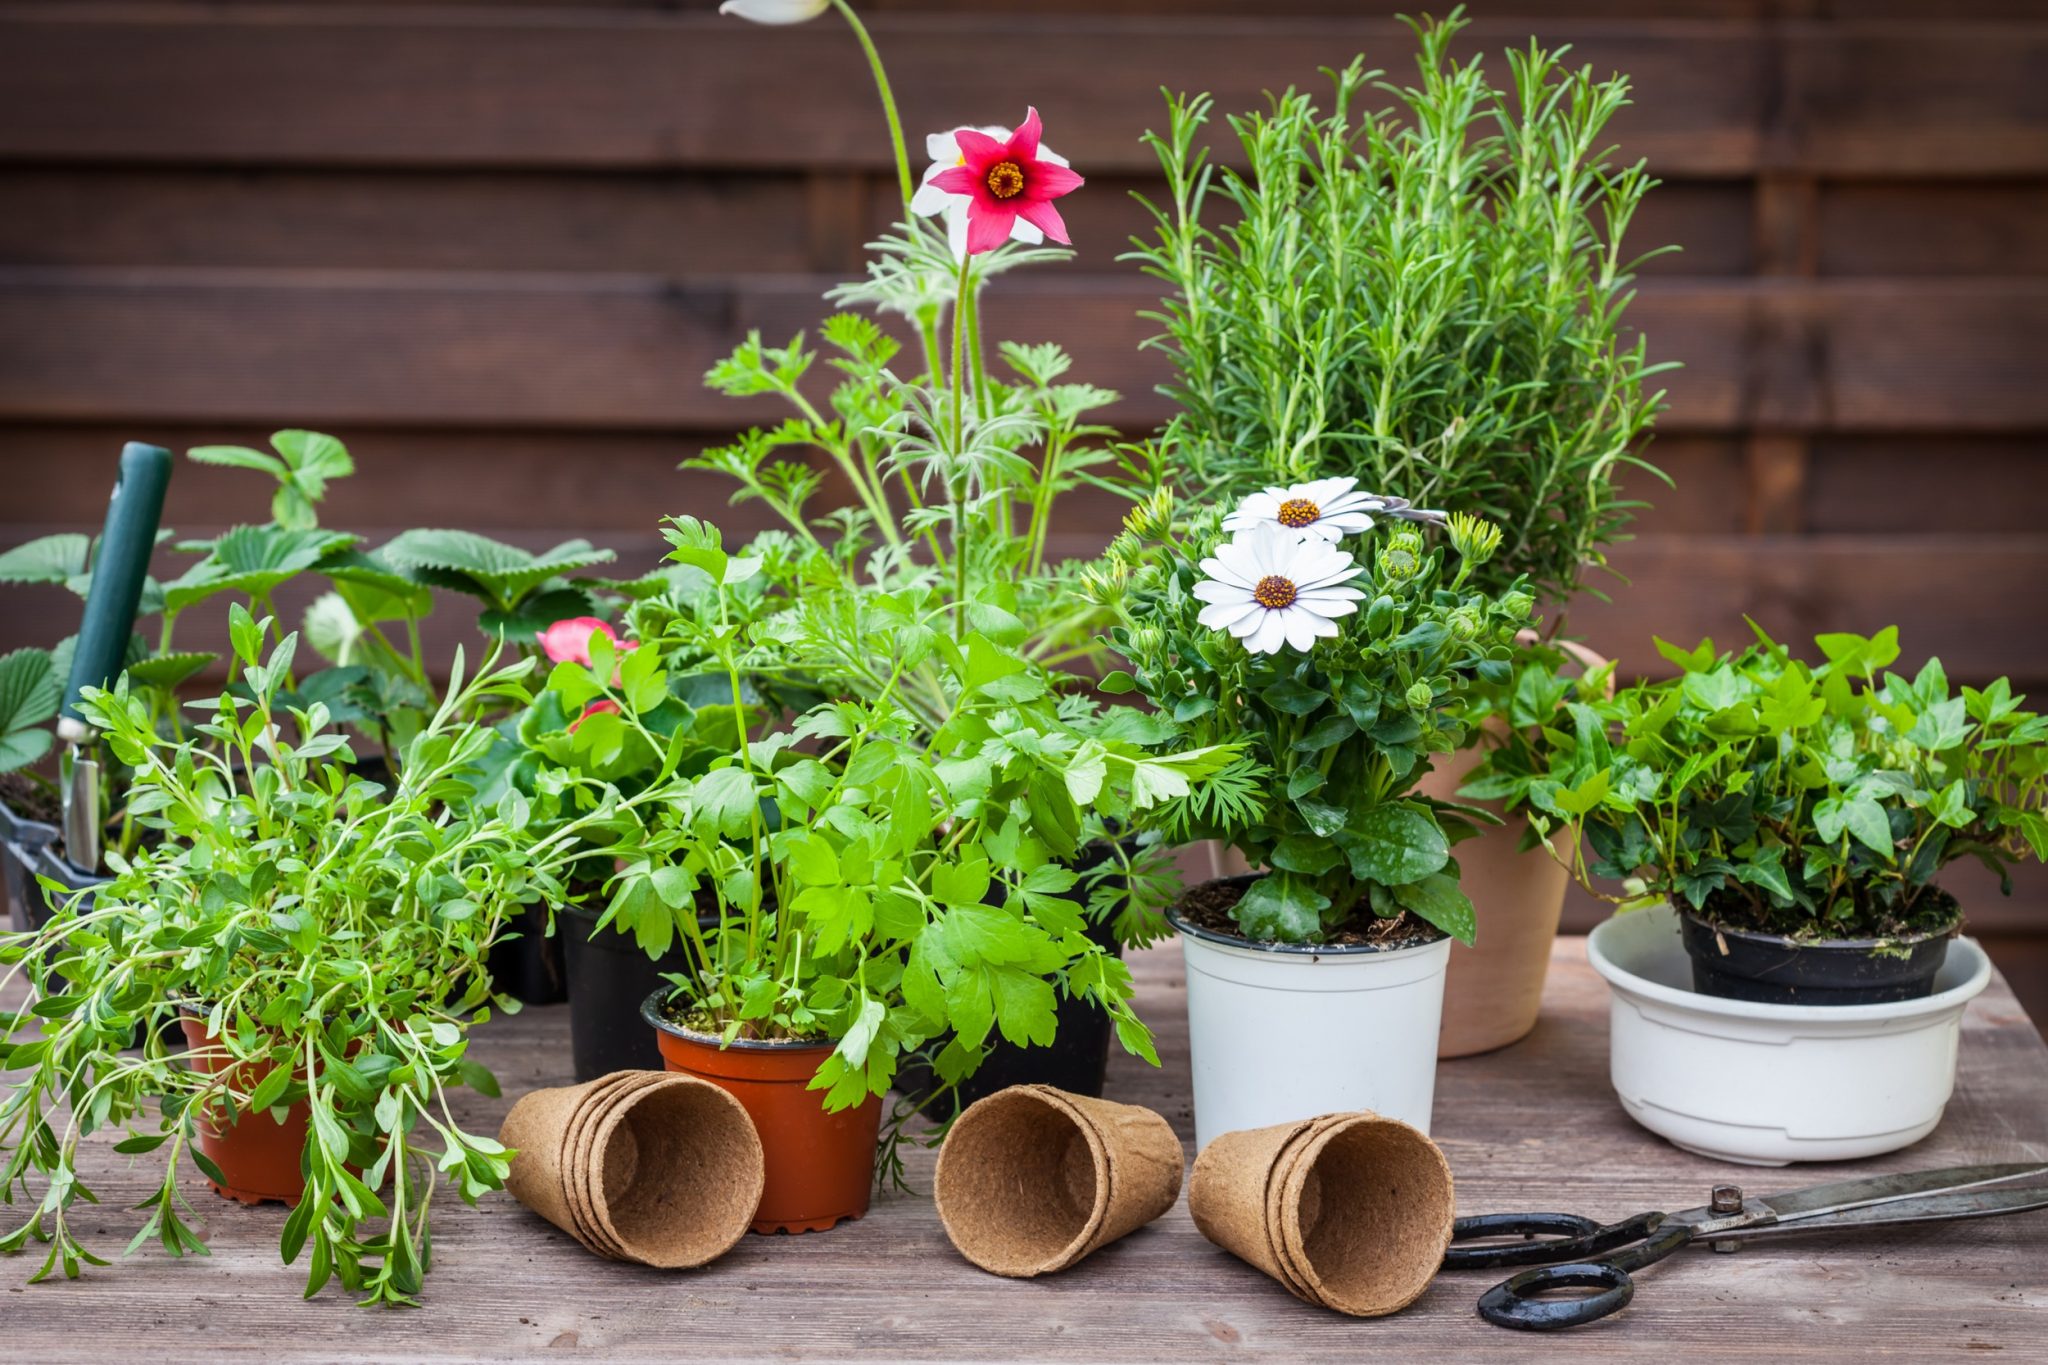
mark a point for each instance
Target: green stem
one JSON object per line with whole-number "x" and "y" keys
{"x": 867, "y": 45}
{"x": 961, "y": 323}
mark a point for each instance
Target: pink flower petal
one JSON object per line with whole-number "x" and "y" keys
{"x": 1024, "y": 142}
{"x": 1047, "y": 181}
{"x": 568, "y": 641}
{"x": 988, "y": 226}
{"x": 978, "y": 147}
{"x": 960, "y": 180}
{"x": 1044, "y": 217}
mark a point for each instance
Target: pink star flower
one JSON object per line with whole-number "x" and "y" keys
{"x": 1004, "y": 180}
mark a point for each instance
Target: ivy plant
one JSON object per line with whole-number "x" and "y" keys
{"x": 1810, "y": 800}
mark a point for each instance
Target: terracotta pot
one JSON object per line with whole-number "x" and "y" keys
{"x": 820, "y": 1166}
{"x": 259, "y": 1156}
{"x": 1495, "y": 987}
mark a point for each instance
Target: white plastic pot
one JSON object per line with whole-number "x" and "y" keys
{"x": 1283, "y": 1032}
{"x": 1765, "y": 1085}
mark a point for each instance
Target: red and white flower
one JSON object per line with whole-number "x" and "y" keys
{"x": 994, "y": 186}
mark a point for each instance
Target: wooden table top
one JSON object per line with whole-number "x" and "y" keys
{"x": 1534, "y": 1126}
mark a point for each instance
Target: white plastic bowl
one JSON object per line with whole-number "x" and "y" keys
{"x": 1765, "y": 1085}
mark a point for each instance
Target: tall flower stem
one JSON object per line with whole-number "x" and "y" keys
{"x": 867, "y": 44}
{"x": 961, "y": 322}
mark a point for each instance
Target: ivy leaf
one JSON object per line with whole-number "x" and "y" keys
{"x": 1941, "y": 726}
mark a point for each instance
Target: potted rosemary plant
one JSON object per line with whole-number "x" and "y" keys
{"x": 1790, "y": 822}
{"x": 1421, "y": 287}
{"x": 300, "y": 953}
{"x": 1315, "y": 984}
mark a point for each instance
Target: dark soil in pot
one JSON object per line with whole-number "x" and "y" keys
{"x": 1077, "y": 1059}
{"x": 609, "y": 976}
{"x": 27, "y": 808}
{"x": 1771, "y": 969}
{"x": 1206, "y": 908}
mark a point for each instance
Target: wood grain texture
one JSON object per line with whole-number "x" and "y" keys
{"x": 1533, "y": 1126}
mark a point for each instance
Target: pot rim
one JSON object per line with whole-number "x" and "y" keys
{"x": 1624, "y": 981}
{"x": 1173, "y": 917}
{"x": 1862, "y": 945}
{"x": 650, "y": 1010}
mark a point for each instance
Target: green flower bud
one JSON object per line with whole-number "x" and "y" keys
{"x": 1518, "y": 605}
{"x": 1401, "y": 559}
{"x": 1464, "y": 624}
{"x": 1419, "y": 695}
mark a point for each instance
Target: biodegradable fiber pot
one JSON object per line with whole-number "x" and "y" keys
{"x": 1768, "y": 1084}
{"x": 642, "y": 1166}
{"x": 1031, "y": 1179}
{"x": 820, "y": 1165}
{"x": 1349, "y": 1211}
{"x": 261, "y": 1158}
{"x": 1281, "y": 1032}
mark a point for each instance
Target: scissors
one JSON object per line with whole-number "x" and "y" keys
{"x": 1568, "y": 1250}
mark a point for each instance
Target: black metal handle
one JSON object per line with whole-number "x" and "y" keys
{"x": 1552, "y": 1237}
{"x": 1513, "y": 1302}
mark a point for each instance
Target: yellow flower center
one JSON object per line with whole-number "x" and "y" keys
{"x": 1299, "y": 512}
{"x": 1006, "y": 180}
{"x": 1275, "y": 592}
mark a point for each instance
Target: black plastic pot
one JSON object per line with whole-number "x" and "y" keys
{"x": 1077, "y": 1059}
{"x": 528, "y": 967}
{"x": 34, "y": 908}
{"x": 608, "y": 978}
{"x": 1740, "y": 964}
{"x": 21, "y": 839}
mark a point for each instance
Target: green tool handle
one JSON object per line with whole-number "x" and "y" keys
{"x": 118, "y": 570}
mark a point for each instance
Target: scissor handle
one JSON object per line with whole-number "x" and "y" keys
{"x": 1513, "y": 1302}
{"x": 1553, "y": 1237}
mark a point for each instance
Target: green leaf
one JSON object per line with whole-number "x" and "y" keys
{"x": 50, "y": 559}
{"x": 1941, "y": 726}
{"x": 252, "y": 560}
{"x": 1024, "y": 1005}
{"x": 1395, "y": 844}
{"x": 1294, "y": 698}
{"x": 1585, "y": 798}
{"x": 812, "y": 860}
{"x": 166, "y": 671}
{"x": 964, "y": 882}
{"x": 984, "y": 934}
{"x": 1329, "y": 731}
{"x": 1306, "y": 853}
{"x": 1439, "y": 899}
{"x": 501, "y": 574}
{"x": 29, "y": 692}
{"x": 1116, "y": 682}
{"x": 1278, "y": 908}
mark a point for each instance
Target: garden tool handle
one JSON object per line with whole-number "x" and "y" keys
{"x": 119, "y": 568}
{"x": 1514, "y": 1302}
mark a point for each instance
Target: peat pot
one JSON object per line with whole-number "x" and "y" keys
{"x": 1283, "y": 1031}
{"x": 260, "y": 1157}
{"x": 608, "y": 978}
{"x": 1766, "y": 1084}
{"x": 820, "y": 1166}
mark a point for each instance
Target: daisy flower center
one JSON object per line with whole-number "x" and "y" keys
{"x": 1006, "y": 180}
{"x": 1299, "y": 512}
{"x": 1275, "y": 592}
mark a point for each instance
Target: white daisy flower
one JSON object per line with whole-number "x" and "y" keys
{"x": 944, "y": 150}
{"x": 1268, "y": 587}
{"x": 1328, "y": 509}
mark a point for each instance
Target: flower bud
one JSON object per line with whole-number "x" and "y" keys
{"x": 1518, "y": 605}
{"x": 1419, "y": 695}
{"x": 1401, "y": 558}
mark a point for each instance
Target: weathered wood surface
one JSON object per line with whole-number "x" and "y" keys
{"x": 1532, "y": 1127}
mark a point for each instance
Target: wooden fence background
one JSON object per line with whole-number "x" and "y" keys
{"x": 494, "y": 246}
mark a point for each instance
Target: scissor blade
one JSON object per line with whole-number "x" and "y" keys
{"x": 1798, "y": 1206}
{"x": 1927, "y": 1208}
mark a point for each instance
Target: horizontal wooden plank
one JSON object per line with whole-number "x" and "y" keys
{"x": 555, "y": 88}
{"x": 624, "y": 351}
{"x": 1868, "y": 227}
{"x": 1955, "y": 596}
{"x": 658, "y": 222}
{"x": 546, "y": 87}
{"x": 1882, "y": 484}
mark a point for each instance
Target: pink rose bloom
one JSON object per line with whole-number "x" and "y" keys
{"x": 568, "y": 641}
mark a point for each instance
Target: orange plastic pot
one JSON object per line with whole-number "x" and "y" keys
{"x": 260, "y": 1157}
{"x": 820, "y": 1166}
